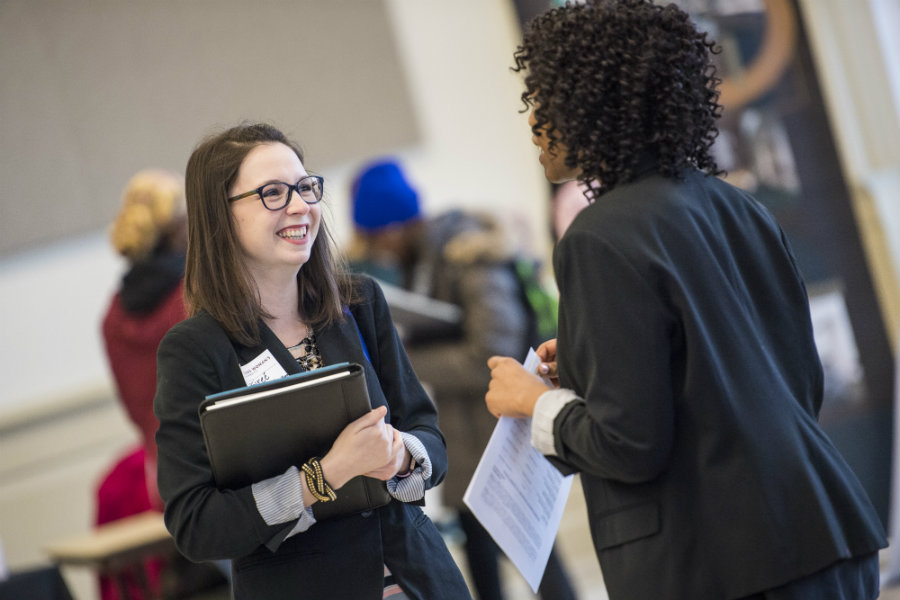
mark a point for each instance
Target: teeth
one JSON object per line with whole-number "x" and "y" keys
{"x": 294, "y": 234}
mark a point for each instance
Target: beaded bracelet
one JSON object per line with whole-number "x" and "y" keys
{"x": 315, "y": 480}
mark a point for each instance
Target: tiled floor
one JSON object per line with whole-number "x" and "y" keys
{"x": 574, "y": 544}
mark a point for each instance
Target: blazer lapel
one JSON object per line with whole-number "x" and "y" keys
{"x": 268, "y": 341}
{"x": 340, "y": 342}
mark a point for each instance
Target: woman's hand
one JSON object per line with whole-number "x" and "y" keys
{"x": 367, "y": 444}
{"x": 398, "y": 462}
{"x": 513, "y": 391}
{"x": 547, "y": 353}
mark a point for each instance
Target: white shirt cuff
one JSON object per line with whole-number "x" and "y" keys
{"x": 412, "y": 488}
{"x": 545, "y": 411}
{"x": 279, "y": 500}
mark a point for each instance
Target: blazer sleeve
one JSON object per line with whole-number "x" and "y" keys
{"x": 613, "y": 352}
{"x": 411, "y": 410}
{"x": 192, "y": 362}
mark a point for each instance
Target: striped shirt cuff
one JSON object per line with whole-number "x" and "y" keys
{"x": 412, "y": 488}
{"x": 279, "y": 500}
{"x": 545, "y": 412}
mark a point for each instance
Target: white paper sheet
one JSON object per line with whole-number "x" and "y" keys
{"x": 518, "y": 496}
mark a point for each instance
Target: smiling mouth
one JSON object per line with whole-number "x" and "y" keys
{"x": 294, "y": 233}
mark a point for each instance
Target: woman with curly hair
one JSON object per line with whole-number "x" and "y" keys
{"x": 686, "y": 378}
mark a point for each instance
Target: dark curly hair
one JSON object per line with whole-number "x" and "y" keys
{"x": 616, "y": 80}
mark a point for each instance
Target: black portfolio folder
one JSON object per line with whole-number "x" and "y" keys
{"x": 259, "y": 431}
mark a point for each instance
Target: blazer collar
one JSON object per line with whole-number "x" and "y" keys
{"x": 339, "y": 342}
{"x": 268, "y": 341}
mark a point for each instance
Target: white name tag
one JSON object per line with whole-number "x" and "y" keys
{"x": 262, "y": 368}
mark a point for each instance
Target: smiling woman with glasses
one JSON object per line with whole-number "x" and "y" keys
{"x": 268, "y": 297}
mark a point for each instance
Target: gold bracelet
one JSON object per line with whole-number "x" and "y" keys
{"x": 315, "y": 481}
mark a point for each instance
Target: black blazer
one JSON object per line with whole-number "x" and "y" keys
{"x": 684, "y": 327}
{"x": 336, "y": 558}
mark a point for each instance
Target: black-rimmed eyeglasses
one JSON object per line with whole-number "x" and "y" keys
{"x": 277, "y": 195}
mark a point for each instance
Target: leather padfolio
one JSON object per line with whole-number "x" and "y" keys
{"x": 259, "y": 431}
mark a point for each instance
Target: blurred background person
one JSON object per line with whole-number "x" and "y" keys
{"x": 150, "y": 233}
{"x": 468, "y": 260}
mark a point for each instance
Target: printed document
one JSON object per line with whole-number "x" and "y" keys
{"x": 518, "y": 496}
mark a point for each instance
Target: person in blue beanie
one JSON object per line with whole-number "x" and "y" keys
{"x": 383, "y": 197}
{"x": 466, "y": 259}
{"x": 386, "y": 214}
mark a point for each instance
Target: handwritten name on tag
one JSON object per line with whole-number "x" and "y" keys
{"x": 262, "y": 368}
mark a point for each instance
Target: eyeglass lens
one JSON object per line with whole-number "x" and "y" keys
{"x": 276, "y": 195}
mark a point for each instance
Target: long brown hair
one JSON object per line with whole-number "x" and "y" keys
{"x": 216, "y": 279}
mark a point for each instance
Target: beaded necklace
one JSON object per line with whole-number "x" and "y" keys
{"x": 310, "y": 358}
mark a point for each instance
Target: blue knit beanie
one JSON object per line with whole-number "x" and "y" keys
{"x": 382, "y": 196}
